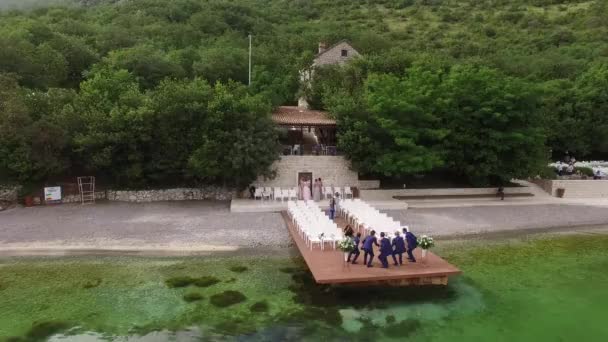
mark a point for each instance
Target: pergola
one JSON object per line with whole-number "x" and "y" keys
{"x": 299, "y": 121}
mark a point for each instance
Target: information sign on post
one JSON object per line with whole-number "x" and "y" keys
{"x": 52, "y": 194}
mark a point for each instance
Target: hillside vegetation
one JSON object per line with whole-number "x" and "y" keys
{"x": 150, "y": 92}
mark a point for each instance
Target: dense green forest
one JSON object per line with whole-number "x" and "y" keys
{"x": 152, "y": 92}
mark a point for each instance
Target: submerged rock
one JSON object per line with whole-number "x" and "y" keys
{"x": 92, "y": 283}
{"x": 179, "y": 281}
{"x": 185, "y": 281}
{"x": 41, "y": 331}
{"x": 238, "y": 269}
{"x": 259, "y": 307}
{"x": 227, "y": 298}
{"x": 206, "y": 281}
{"x": 193, "y": 297}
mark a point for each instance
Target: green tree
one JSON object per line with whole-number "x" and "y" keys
{"x": 115, "y": 125}
{"x": 239, "y": 142}
{"x": 494, "y": 124}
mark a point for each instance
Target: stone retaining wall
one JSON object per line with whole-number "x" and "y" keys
{"x": 333, "y": 170}
{"x": 385, "y": 194}
{"x": 369, "y": 184}
{"x": 179, "y": 194}
{"x": 9, "y": 193}
{"x": 589, "y": 188}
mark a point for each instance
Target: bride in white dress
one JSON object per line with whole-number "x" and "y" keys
{"x": 305, "y": 190}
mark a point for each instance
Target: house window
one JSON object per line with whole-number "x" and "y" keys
{"x": 344, "y": 53}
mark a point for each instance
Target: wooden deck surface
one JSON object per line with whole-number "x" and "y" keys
{"x": 328, "y": 266}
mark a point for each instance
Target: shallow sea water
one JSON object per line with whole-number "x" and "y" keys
{"x": 543, "y": 289}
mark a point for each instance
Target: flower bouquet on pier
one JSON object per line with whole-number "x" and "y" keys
{"x": 425, "y": 242}
{"x": 346, "y": 245}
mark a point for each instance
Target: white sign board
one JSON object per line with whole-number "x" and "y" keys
{"x": 52, "y": 194}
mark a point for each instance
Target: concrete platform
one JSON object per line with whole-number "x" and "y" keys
{"x": 259, "y": 206}
{"x": 328, "y": 266}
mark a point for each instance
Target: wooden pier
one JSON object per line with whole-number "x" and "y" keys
{"x": 328, "y": 266}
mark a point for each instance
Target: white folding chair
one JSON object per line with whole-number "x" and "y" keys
{"x": 277, "y": 194}
{"x": 285, "y": 194}
{"x": 328, "y": 192}
{"x": 348, "y": 192}
{"x": 258, "y": 193}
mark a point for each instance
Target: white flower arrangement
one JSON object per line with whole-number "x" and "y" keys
{"x": 346, "y": 245}
{"x": 426, "y": 242}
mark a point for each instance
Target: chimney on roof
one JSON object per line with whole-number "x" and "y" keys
{"x": 322, "y": 47}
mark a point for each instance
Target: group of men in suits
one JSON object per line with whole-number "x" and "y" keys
{"x": 396, "y": 248}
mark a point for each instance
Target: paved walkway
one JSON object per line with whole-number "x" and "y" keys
{"x": 210, "y": 226}
{"x": 480, "y": 219}
{"x": 164, "y": 225}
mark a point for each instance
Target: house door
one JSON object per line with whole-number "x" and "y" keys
{"x": 305, "y": 178}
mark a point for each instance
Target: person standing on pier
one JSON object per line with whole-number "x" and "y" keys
{"x": 412, "y": 243}
{"x": 368, "y": 248}
{"x": 399, "y": 248}
{"x": 385, "y": 250}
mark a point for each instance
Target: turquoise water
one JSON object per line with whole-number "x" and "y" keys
{"x": 546, "y": 289}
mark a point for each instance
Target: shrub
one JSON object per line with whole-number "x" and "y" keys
{"x": 587, "y": 171}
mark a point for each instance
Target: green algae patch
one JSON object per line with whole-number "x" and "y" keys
{"x": 402, "y": 329}
{"x": 227, "y": 298}
{"x": 238, "y": 269}
{"x": 92, "y": 283}
{"x": 259, "y": 307}
{"x": 41, "y": 331}
{"x": 193, "y": 297}
{"x": 185, "y": 281}
{"x": 205, "y": 281}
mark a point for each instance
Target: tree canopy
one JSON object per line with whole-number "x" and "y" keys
{"x": 153, "y": 91}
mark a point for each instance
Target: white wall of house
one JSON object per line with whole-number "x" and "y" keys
{"x": 334, "y": 55}
{"x": 333, "y": 170}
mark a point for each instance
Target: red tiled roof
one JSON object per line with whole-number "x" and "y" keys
{"x": 296, "y": 116}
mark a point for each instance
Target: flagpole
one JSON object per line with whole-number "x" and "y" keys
{"x": 249, "y": 60}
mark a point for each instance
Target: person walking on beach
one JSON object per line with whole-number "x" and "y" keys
{"x": 385, "y": 250}
{"x": 368, "y": 248}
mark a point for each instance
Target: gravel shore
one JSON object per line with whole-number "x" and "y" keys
{"x": 210, "y": 226}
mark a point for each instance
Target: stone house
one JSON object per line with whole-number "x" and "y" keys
{"x": 339, "y": 53}
{"x": 309, "y": 136}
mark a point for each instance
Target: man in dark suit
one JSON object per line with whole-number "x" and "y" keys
{"x": 368, "y": 248}
{"x": 412, "y": 243}
{"x": 385, "y": 250}
{"x": 355, "y": 251}
{"x": 398, "y": 248}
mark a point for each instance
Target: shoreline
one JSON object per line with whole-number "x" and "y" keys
{"x": 288, "y": 250}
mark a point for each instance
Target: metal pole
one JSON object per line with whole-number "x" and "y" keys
{"x": 249, "y": 60}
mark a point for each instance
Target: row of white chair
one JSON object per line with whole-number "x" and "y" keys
{"x": 362, "y": 215}
{"x": 292, "y": 194}
{"x": 276, "y": 194}
{"x": 313, "y": 225}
